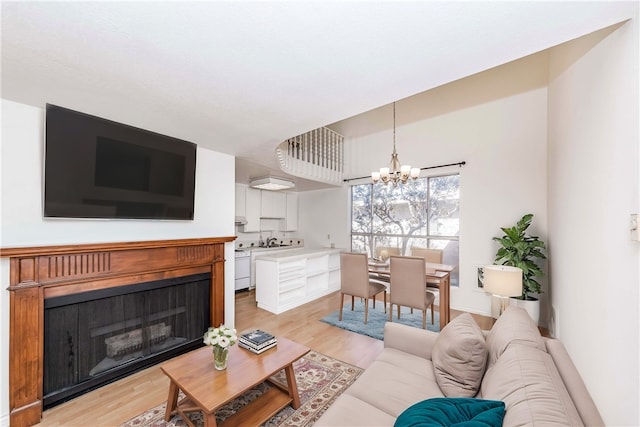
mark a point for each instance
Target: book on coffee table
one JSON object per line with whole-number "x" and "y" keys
{"x": 257, "y": 339}
{"x": 246, "y": 344}
{"x": 257, "y": 350}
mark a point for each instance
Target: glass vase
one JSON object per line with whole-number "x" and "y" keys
{"x": 220, "y": 357}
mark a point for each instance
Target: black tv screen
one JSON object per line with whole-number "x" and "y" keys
{"x": 97, "y": 168}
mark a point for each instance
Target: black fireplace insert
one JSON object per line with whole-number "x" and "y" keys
{"x": 96, "y": 337}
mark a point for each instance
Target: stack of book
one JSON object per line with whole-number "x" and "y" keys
{"x": 257, "y": 341}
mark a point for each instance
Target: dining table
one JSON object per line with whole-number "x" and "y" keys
{"x": 436, "y": 275}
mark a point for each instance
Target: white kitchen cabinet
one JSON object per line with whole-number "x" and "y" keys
{"x": 291, "y": 218}
{"x": 274, "y": 204}
{"x": 253, "y": 200}
{"x": 280, "y": 285}
{"x": 241, "y": 201}
{"x": 334, "y": 270}
{"x": 288, "y": 280}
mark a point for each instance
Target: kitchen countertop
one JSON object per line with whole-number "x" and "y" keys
{"x": 268, "y": 248}
{"x": 292, "y": 254}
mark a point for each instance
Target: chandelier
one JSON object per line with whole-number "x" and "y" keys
{"x": 395, "y": 173}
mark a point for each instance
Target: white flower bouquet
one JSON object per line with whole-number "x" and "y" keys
{"x": 220, "y": 339}
{"x": 221, "y": 336}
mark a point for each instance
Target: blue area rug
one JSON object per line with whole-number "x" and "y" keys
{"x": 354, "y": 320}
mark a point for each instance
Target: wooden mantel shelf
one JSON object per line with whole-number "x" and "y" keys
{"x": 41, "y": 272}
{"x": 115, "y": 246}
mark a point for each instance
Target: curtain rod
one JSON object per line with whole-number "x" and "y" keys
{"x": 425, "y": 168}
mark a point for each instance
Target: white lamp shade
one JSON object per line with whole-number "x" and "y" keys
{"x": 502, "y": 280}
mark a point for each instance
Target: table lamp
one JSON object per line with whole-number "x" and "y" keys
{"x": 503, "y": 282}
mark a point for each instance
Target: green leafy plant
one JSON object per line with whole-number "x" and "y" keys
{"x": 518, "y": 249}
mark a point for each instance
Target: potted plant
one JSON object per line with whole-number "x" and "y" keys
{"x": 519, "y": 249}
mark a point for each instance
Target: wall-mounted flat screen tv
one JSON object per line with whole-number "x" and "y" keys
{"x": 97, "y": 168}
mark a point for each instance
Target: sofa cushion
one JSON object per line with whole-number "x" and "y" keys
{"x": 395, "y": 381}
{"x": 529, "y": 383}
{"x": 458, "y": 411}
{"x": 348, "y": 410}
{"x": 514, "y": 325}
{"x": 459, "y": 357}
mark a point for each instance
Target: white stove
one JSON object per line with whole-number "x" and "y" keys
{"x": 243, "y": 269}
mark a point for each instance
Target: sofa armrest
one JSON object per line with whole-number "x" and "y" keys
{"x": 418, "y": 342}
{"x": 573, "y": 382}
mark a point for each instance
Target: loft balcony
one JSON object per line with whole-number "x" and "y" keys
{"x": 317, "y": 155}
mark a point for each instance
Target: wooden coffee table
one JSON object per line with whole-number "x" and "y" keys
{"x": 207, "y": 389}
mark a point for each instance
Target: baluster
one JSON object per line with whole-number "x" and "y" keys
{"x": 306, "y": 147}
{"x": 325, "y": 150}
{"x": 333, "y": 151}
{"x": 324, "y": 153}
{"x": 339, "y": 160}
{"x": 317, "y": 143}
{"x": 329, "y": 151}
{"x": 312, "y": 149}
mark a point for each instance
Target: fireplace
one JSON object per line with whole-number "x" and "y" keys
{"x": 46, "y": 281}
{"x": 96, "y": 337}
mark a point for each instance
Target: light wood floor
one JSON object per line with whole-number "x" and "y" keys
{"x": 116, "y": 403}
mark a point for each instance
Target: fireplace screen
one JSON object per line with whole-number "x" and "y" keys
{"x": 96, "y": 337}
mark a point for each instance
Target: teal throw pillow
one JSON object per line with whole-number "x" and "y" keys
{"x": 453, "y": 411}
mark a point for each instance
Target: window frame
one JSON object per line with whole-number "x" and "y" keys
{"x": 371, "y": 236}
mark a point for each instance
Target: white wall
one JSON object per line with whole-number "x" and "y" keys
{"x": 22, "y": 223}
{"x": 593, "y": 188}
{"x": 323, "y": 217}
{"x": 496, "y": 122}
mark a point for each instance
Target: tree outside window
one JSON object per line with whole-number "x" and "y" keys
{"x": 423, "y": 213}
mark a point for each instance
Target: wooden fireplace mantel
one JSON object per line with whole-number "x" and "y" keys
{"x": 41, "y": 272}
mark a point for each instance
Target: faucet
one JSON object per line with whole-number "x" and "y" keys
{"x": 271, "y": 240}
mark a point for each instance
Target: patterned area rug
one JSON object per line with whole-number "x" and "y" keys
{"x": 354, "y": 320}
{"x": 320, "y": 379}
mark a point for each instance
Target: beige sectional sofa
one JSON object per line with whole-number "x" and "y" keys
{"x": 534, "y": 376}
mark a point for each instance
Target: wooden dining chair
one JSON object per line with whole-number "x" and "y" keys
{"x": 354, "y": 275}
{"x": 434, "y": 256}
{"x": 408, "y": 287}
{"x": 390, "y": 250}
{"x": 430, "y": 255}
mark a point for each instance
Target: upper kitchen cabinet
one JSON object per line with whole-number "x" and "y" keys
{"x": 253, "y": 210}
{"x": 248, "y": 202}
{"x": 291, "y": 219}
{"x": 252, "y": 205}
{"x": 274, "y": 205}
{"x": 241, "y": 202}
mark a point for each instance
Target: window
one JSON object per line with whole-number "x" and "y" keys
{"x": 423, "y": 213}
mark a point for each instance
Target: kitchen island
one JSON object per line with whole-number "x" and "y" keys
{"x": 290, "y": 278}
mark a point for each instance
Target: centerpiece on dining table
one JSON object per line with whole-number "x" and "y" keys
{"x": 221, "y": 339}
{"x": 381, "y": 261}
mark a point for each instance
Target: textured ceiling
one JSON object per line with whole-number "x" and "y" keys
{"x": 239, "y": 77}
